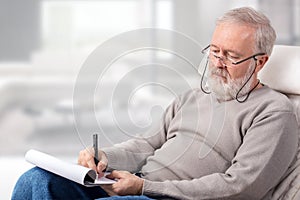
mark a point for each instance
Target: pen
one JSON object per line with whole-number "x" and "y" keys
{"x": 95, "y": 145}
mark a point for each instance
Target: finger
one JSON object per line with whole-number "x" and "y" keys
{"x": 91, "y": 164}
{"x": 101, "y": 167}
{"x": 82, "y": 158}
{"x": 115, "y": 174}
{"x": 111, "y": 176}
{"x": 85, "y": 153}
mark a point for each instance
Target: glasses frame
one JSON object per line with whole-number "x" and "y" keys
{"x": 238, "y": 62}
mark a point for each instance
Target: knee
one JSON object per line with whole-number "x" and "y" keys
{"x": 30, "y": 181}
{"x": 34, "y": 176}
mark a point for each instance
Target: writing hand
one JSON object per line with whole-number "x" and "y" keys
{"x": 86, "y": 159}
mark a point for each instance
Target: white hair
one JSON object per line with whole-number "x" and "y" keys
{"x": 265, "y": 34}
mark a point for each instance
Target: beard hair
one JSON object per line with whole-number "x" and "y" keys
{"x": 225, "y": 91}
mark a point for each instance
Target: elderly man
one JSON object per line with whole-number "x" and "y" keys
{"x": 234, "y": 139}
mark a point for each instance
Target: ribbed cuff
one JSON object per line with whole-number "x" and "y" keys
{"x": 152, "y": 188}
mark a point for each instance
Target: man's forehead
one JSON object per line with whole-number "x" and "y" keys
{"x": 229, "y": 50}
{"x": 234, "y": 37}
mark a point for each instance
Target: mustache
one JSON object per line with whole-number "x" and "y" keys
{"x": 218, "y": 71}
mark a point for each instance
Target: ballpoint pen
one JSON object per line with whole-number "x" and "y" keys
{"x": 95, "y": 146}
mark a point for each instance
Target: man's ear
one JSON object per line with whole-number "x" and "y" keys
{"x": 260, "y": 62}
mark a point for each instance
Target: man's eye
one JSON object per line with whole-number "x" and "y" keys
{"x": 233, "y": 57}
{"x": 215, "y": 50}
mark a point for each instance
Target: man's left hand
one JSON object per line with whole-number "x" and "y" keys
{"x": 127, "y": 184}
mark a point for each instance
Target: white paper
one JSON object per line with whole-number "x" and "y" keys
{"x": 70, "y": 171}
{"x": 103, "y": 180}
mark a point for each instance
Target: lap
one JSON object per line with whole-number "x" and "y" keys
{"x": 126, "y": 198}
{"x": 41, "y": 184}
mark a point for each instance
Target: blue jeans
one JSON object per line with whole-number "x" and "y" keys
{"x": 40, "y": 184}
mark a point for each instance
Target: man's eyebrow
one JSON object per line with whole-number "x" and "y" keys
{"x": 227, "y": 50}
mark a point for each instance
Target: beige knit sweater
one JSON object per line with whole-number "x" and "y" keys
{"x": 205, "y": 149}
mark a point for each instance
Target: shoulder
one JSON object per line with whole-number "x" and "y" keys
{"x": 191, "y": 95}
{"x": 271, "y": 100}
{"x": 189, "y": 98}
{"x": 263, "y": 105}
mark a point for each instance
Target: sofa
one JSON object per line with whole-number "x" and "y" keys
{"x": 282, "y": 73}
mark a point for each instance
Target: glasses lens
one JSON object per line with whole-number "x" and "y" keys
{"x": 215, "y": 57}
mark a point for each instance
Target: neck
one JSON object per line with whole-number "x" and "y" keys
{"x": 256, "y": 84}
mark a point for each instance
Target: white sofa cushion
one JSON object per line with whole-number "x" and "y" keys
{"x": 282, "y": 71}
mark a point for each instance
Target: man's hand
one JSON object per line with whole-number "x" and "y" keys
{"x": 86, "y": 159}
{"x": 127, "y": 184}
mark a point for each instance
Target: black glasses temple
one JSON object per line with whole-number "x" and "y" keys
{"x": 203, "y": 50}
{"x": 254, "y": 57}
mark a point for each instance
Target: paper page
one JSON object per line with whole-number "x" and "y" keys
{"x": 70, "y": 171}
{"x": 100, "y": 181}
{"x": 104, "y": 180}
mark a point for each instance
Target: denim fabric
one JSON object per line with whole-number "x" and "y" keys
{"x": 38, "y": 184}
{"x": 127, "y": 198}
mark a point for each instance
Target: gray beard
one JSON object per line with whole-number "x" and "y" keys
{"x": 228, "y": 91}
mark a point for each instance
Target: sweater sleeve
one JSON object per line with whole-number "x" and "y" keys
{"x": 131, "y": 155}
{"x": 268, "y": 148}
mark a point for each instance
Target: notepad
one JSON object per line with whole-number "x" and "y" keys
{"x": 71, "y": 171}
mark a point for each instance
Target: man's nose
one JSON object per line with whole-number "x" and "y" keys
{"x": 219, "y": 61}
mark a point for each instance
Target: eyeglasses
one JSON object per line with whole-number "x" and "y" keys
{"x": 213, "y": 55}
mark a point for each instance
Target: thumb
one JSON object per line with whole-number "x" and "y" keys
{"x": 102, "y": 164}
{"x": 115, "y": 174}
{"x": 101, "y": 167}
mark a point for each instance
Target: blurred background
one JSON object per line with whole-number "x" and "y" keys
{"x": 44, "y": 45}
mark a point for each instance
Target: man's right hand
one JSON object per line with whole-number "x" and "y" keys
{"x": 86, "y": 159}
